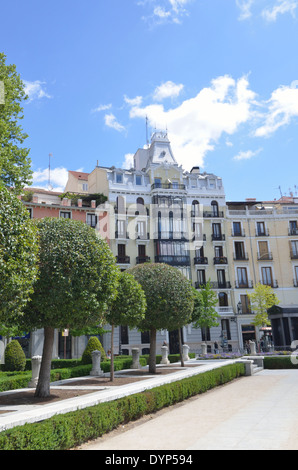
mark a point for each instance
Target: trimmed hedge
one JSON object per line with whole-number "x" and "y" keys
{"x": 62, "y": 432}
{"x": 280, "y": 362}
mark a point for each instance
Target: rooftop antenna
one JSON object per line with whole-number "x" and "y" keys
{"x": 49, "y": 183}
{"x": 147, "y": 140}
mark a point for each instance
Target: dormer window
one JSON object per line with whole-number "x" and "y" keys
{"x": 138, "y": 180}
{"x": 119, "y": 178}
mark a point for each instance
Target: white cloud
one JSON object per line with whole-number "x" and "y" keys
{"x": 58, "y": 178}
{"x": 282, "y": 107}
{"x": 245, "y": 8}
{"x": 247, "y": 155}
{"x": 196, "y": 125}
{"x": 281, "y": 7}
{"x": 128, "y": 161}
{"x": 137, "y": 101}
{"x": 111, "y": 121}
{"x": 167, "y": 90}
{"x": 162, "y": 11}
{"x": 35, "y": 90}
{"x": 101, "y": 107}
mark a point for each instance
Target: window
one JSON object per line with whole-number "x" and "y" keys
{"x": 157, "y": 182}
{"x": 119, "y": 178}
{"x": 214, "y": 206}
{"x": 120, "y": 205}
{"x": 85, "y": 186}
{"x": 201, "y": 276}
{"x": 267, "y": 276}
{"x": 216, "y": 231}
{"x": 294, "y": 249}
{"x": 218, "y": 251}
{"x": 138, "y": 180}
{"x": 121, "y": 228}
{"x": 223, "y": 299}
{"x": 65, "y": 215}
{"x": 296, "y": 276}
{"x": 239, "y": 250}
{"x": 225, "y": 326}
{"x": 124, "y": 335}
{"x": 221, "y": 278}
{"x": 237, "y": 229}
{"x": 242, "y": 277}
{"x": 261, "y": 228}
{"x": 205, "y": 334}
{"x": 175, "y": 184}
{"x": 293, "y": 227}
{"x": 92, "y": 220}
{"x": 263, "y": 250}
{"x": 145, "y": 337}
{"x": 245, "y": 304}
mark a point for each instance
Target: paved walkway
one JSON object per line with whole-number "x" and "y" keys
{"x": 259, "y": 412}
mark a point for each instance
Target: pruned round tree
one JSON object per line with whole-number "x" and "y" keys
{"x": 18, "y": 257}
{"x": 169, "y": 298}
{"x": 77, "y": 279}
{"x": 127, "y": 309}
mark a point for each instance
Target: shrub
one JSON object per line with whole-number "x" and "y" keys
{"x": 93, "y": 345}
{"x": 14, "y": 357}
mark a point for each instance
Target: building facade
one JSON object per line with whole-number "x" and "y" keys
{"x": 158, "y": 212}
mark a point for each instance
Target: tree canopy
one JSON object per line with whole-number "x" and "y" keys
{"x": 169, "y": 298}
{"x": 18, "y": 257}
{"x": 204, "y": 314}
{"x": 15, "y": 165}
{"x": 128, "y": 307}
{"x": 77, "y": 280}
{"x": 261, "y": 299}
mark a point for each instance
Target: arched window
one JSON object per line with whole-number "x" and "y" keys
{"x": 214, "y": 206}
{"x": 195, "y": 208}
{"x": 222, "y": 299}
{"x": 140, "y": 206}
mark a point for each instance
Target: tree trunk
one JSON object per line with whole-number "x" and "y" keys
{"x": 112, "y": 355}
{"x": 43, "y": 386}
{"x": 180, "y": 347}
{"x": 152, "y": 355}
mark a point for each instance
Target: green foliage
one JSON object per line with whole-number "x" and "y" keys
{"x": 78, "y": 276}
{"x": 18, "y": 256}
{"x": 69, "y": 430}
{"x": 261, "y": 299}
{"x": 129, "y": 305}
{"x": 204, "y": 314}
{"x": 169, "y": 296}
{"x": 14, "y": 357}
{"x": 14, "y": 162}
{"x": 98, "y": 197}
{"x": 93, "y": 345}
{"x": 281, "y": 362}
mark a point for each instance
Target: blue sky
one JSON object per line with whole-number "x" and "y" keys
{"x": 220, "y": 75}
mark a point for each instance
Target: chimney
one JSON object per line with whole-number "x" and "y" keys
{"x": 93, "y": 204}
{"x": 80, "y": 202}
{"x": 66, "y": 202}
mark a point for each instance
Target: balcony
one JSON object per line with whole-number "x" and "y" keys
{"x": 142, "y": 259}
{"x": 273, "y": 283}
{"x": 214, "y": 285}
{"x": 294, "y": 255}
{"x": 220, "y": 260}
{"x": 213, "y": 214}
{"x": 240, "y": 257}
{"x": 173, "y": 260}
{"x": 238, "y": 233}
{"x": 217, "y": 236}
{"x": 265, "y": 256}
{"x": 167, "y": 186}
{"x": 293, "y": 231}
{"x": 121, "y": 235}
{"x": 262, "y": 233}
{"x": 123, "y": 259}
{"x": 244, "y": 284}
{"x": 200, "y": 260}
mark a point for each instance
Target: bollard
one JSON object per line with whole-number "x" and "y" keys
{"x": 164, "y": 354}
{"x": 36, "y": 363}
{"x": 135, "y": 359}
{"x": 252, "y": 346}
{"x": 204, "y": 349}
{"x": 96, "y": 369}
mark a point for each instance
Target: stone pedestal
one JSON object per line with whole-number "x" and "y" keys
{"x": 135, "y": 359}
{"x": 164, "y": 354}
{"x": 185, "y": 351}
{"x": 204, "y": 348}
{"x": 36, "y": 363}
{"x": 96, "y": 369}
